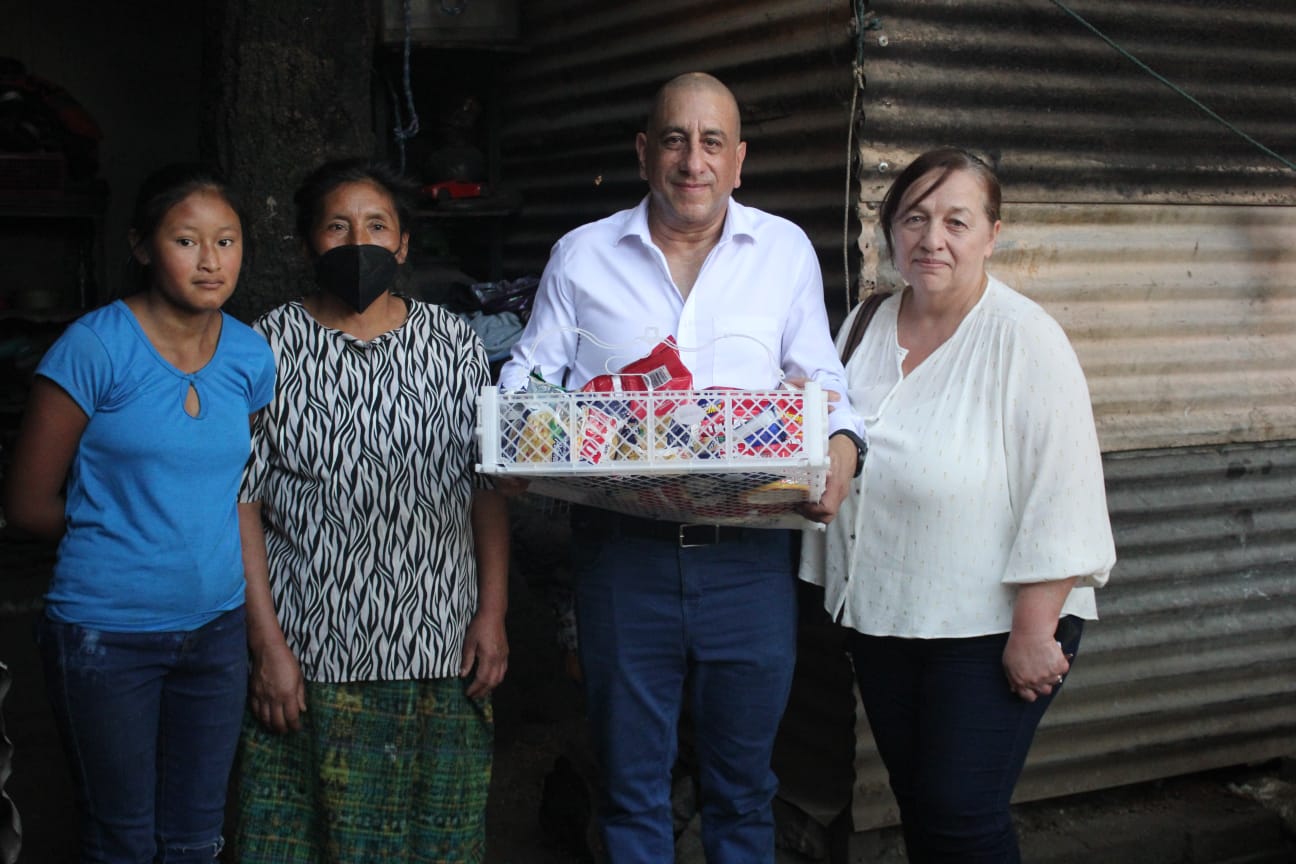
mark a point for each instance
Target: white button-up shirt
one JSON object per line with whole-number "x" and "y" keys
{"x": 983, "y": 472}
{"x": 754, "y": 316}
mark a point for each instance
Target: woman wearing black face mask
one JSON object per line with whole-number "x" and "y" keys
{"x": 376, "y": 569}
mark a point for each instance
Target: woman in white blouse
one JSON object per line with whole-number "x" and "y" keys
{"x": 966, "y": 561}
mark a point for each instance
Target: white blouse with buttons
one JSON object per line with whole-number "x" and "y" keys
{"x": 983, "y": 472}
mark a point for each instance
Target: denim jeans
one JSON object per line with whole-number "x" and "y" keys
{"x": 657, "y": 624}
{"x": 149, "y": 722}
{"x": 953, "y": 738}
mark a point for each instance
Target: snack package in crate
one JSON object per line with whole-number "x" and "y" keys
{"x": 728, "y": 457}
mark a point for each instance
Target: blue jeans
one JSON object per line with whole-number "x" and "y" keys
{"x": 149, "y": 722}
{"x": 657, "y": 621}
{"x": 953, "y": 738}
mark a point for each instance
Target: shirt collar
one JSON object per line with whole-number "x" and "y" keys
{"x": 738, "y": 223}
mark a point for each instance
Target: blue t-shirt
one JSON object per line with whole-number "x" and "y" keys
{"x": 152, "y": 540}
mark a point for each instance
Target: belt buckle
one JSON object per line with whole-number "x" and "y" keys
{"x": 698, "y": 535}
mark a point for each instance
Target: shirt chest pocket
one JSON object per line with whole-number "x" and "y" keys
{"x": 748, "y": 351}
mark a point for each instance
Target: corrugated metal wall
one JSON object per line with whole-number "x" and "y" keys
{"x": 579, "y": 93}
{"x": 1183, "y": 311}
{"x": 1184, "y": 316}
{"x": 1163, "y": 243}
{"x": 1069, "y": 119}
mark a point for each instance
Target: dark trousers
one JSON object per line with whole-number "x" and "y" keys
{"x": 659, "y": 623}
{"x": 953, "y": 738}
{"x": 150, "y": 722}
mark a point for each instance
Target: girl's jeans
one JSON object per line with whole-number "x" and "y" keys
{"x": 149, "y": 722}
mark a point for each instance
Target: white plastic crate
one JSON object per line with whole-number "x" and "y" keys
{"x": 725, "y": 457}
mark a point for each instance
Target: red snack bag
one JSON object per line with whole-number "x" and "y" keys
{"x": 660, "y": 369}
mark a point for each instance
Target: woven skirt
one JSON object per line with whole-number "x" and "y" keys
{"x": 384, "y": 771}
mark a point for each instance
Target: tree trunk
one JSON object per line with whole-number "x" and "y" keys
{"x": 287, "y": 86}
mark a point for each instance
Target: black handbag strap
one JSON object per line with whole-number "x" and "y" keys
{"x": 870, "y": 306}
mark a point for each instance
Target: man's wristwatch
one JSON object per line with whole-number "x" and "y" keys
{"x": 860, "y": 447}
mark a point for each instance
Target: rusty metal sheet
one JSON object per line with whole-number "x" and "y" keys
{"x": 1183, "y": 316}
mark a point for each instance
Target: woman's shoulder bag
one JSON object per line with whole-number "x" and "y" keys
{"x": 861, "y": 322}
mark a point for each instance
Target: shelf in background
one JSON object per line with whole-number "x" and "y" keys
{"x": 88, "y": 203}
{"x": 463, "y": 212}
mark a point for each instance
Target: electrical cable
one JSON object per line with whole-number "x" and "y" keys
{"x": 402, "y": 132}
{"x": 862, "y": 23}
{"x": 1175, "y": 87}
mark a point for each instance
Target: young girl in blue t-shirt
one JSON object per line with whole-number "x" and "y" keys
{"x": 130, "y": 455}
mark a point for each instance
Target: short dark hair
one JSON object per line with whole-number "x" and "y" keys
{"x": 949, "y": 159}
{"x": 165, "y": 188}
{"x": 309, "y": 197}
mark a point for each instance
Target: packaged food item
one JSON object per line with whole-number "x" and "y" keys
{"x": 791, "y": 422}
{"x": 536, "y": 383}
{"x": 694, "y": 425}
{"x": 759, "y": 430}
{"x": 701, "y": 494}
{"x": 781, "y": 491}
{"x": 655, "y": 438}
{"x": 660, "y": 369}
{"x": 768, "y": 427}
{"x": 628, "y": 442}
{"x": 543, "y": 438}
{"x": 597, "y": 435}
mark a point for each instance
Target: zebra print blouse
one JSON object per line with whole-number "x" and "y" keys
{"x": 363, "y": 465}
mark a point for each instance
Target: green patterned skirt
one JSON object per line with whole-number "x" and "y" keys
{"x": 383, "y": 771}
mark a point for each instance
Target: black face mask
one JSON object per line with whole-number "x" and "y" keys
{"x": 357, "y": 275}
